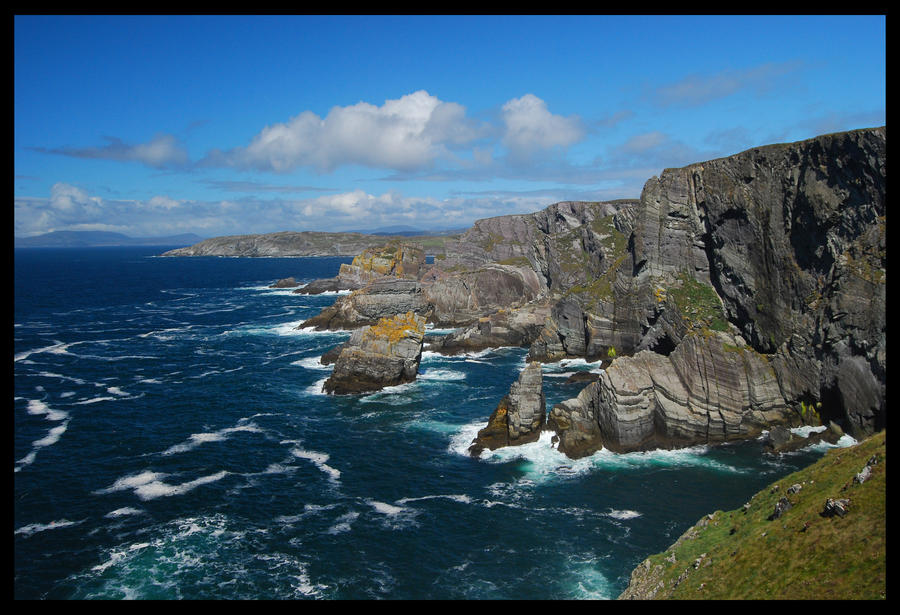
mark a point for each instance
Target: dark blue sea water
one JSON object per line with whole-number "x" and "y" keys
{"x": 171, "y": 442}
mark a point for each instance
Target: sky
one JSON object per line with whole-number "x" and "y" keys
{"x": 225, "y": 125}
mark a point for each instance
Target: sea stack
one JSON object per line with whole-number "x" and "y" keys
{"x": 380, "y": 355}
{"x": 519, "y": 417}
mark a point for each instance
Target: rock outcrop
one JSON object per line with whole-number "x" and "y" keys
{"x": 382, "y": 298}
{"x": 393, "y": 260}
{"x": 506, "y": 327}
{"x": 733, "y": 296}
{"x": 712, "y": 388}
{"x": 782, "y": 245}
{"x": 384, "y": 354}
{"x": 519, "y": 417}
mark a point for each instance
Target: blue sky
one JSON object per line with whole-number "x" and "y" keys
{"x": 222, "y": 125}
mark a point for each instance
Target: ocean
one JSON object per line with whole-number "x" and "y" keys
{"x": 172, "y": 442}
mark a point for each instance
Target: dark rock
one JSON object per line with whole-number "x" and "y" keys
{"x": 519, "y": 417}
{"x": 385, "y": 354}
{"x": 285, "y": 283}
{"x": 382, "y": 298}
{"x": 582, "y": 377}
{"x": 506, "y": 327}
{"x": 782, "y": 505}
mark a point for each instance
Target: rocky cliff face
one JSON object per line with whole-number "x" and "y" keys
{"x": 382, "y": 298}
{"x": 519, "y": 417}
{"x": 385, "y": 354}
{"x": 781, "y": 245}
{"x": 712, "y": 388}
{"x": 736, "y": 293}
{"x": 395, "y": 259}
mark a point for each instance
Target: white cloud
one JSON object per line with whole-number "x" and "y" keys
{"x": 71, "y": 208}
{"x": 529, "y": 127}
{"x": 163, "y": 151}
{"x": 405, "y": 134}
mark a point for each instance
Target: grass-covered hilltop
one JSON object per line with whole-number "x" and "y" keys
{"x": 737, "y": 296}
{"x": 817, "y": 534}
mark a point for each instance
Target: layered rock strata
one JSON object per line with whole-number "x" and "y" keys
{"x": 712, "y": 388}
{"x": 519, "y": 417}
{"x": 393, "y": 260}
{"x": 385, "y": 354}
{"x": 381, "y": 298}
{"x": 504, "y": 328}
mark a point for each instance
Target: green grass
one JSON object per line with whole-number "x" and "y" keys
{"x": 698, "y": 304}
{"x": 801, "y": 555}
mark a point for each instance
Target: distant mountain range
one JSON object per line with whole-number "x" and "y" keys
{"x": 90, "y": 239}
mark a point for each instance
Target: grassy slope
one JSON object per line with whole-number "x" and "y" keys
{"x": 801, "y": 555}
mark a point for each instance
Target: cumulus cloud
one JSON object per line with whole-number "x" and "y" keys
{"x": 163, "y": 151}
{"x": 529, "y": 127}
{"x": 404, "y": 134}
{"x": 70, "y": 208}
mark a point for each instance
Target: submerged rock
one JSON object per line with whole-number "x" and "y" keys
{"x": 385, "y": 354}
{"x": 519, "y": 417}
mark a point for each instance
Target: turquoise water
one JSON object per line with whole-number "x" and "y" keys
{"x": 171, "y": 441}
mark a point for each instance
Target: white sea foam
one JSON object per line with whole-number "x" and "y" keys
{"x": 319, "y": 460}
{"x": 61, "y": 377}
{"x": 38, "y": 407}
{"x": 156, "y": 489}
{"x": 623, "y": 514}
{"x": 33, "y": 528}
{"x": 545, "y": 462}
{"x": 342, "y": 524}
{"x": 386, "y": 509}
{"x": 197, "y": 439}
{"x": 123, "y": 512}
{"x": 441, "y": 374}
{"x": 311, "y": 363}
{"x": 148, "y": 485}
{"x": 94, "y": 400}
{"x": 805, "y": 430}
{"x": 132, "y": 481}
{"x": 57, "y": 348}
{"x": 585, "y": 581}
{"x": 462, "y": 499}
{"x": 52, "y": 436}
{"x": 317, "y": 387}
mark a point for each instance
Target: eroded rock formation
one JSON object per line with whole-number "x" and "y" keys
{"x": 385, "y": 354}
{"x": 520, "y": 415}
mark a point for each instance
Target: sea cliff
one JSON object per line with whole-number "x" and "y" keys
{"x": 735, "y": 295}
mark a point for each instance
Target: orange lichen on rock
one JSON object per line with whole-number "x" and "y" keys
{"x": 396, "y": 328}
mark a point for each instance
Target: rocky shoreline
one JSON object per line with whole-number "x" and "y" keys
{"x": 734, "y": 296}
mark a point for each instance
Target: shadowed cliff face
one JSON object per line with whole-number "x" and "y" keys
{"x": 782, "y": 246}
